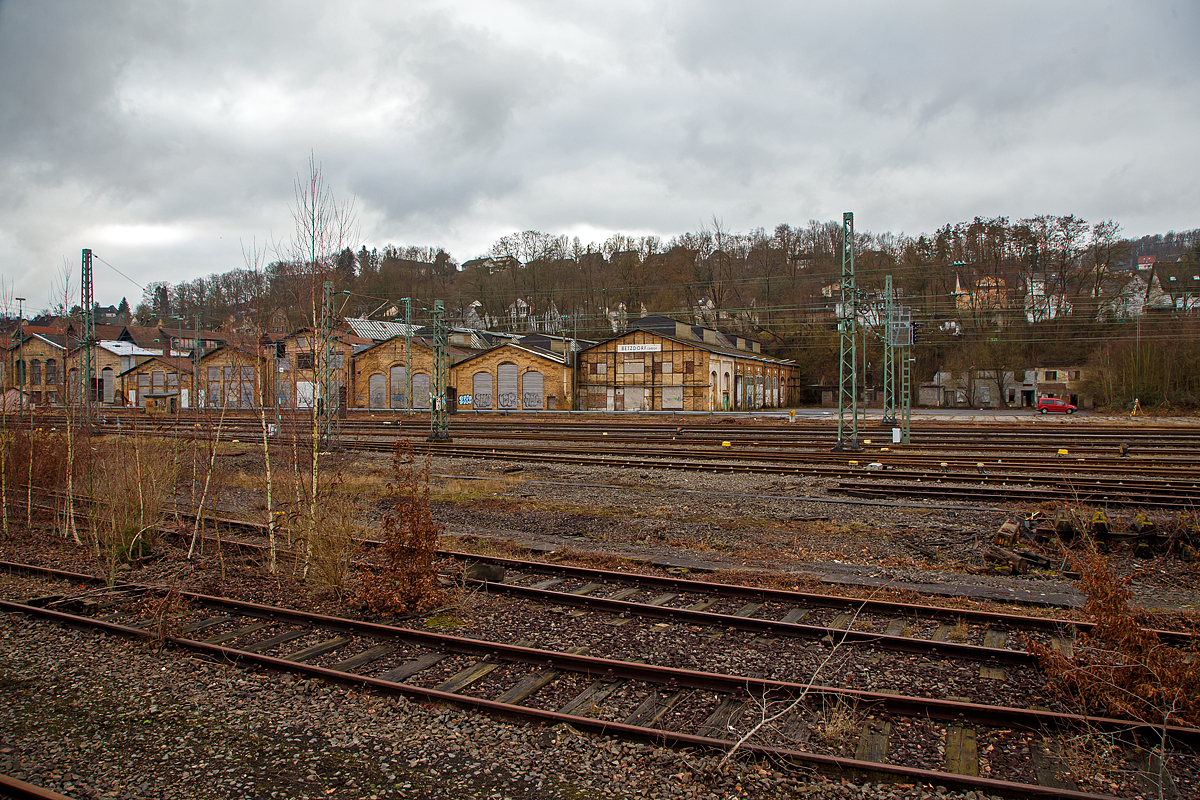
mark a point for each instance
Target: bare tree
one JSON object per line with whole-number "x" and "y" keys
{"x": 324, "y": 227}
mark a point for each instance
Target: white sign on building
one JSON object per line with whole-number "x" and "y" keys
{"x": 639, "y": 348}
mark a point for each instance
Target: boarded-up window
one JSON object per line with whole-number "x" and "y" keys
{"x": 634, "y": 367}
{"x": 597, "y": 398}
{"x": 481, "y": 390}
{"x": 399, "y": 388}
{"x": 247, "y": 387}
{"x": 376, "y": 391}
{"x": 159, "y": 381}
{"x": 672, "y": 397}
{"x": 420, "y": 390}
{"x": 602, "y": 369}
{"x": 107, "y": 383}
{"x": 531, "y": 390}
{"x": 667, "y": 368}
{"x": 304, "y": 394}
{"x": 212, "y": 393}
{"x": 507, "y": 395}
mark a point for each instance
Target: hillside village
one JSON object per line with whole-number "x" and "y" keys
{"x": 721, "y": 321}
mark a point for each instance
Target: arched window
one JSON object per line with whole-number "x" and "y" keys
{"x": 481, "y": 389}
{"x": 532, "y": 390}
{"x": 51, "y": 372}
{"x": 377, "y": 391}
{"x": 507, "y": 392}
{"x": 399, "y": 396}
{"x": 420, "y": 390}
{"x": 35, "y": 372}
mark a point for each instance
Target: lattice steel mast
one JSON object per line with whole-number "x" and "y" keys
{"x": 439, "y": 414}
{"x": 328, "y": 402}
{"x": 408, "y": 368}
{"x": 848, "y": 362}
{"x": 88, "y": 334}
{"x": 889, "y": 356}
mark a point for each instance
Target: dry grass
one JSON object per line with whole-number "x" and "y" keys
{"x": 838, "y": 721}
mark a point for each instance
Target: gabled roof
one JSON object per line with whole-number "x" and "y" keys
{"x": 121, "y": 348}
{"x": 183, "y": 365}
{"x": 59, "y": 340}
{"x": 1178, "y": 277}
{"x": 557, "y": 358}
{"x": 734, "y": 352}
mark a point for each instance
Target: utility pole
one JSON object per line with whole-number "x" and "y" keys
{"x": 88, "y": 334}
{"x": 848, "y": 362}
{"x": 439, "y": 414}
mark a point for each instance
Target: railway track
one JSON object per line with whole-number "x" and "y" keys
{"x": 687, "y": 708}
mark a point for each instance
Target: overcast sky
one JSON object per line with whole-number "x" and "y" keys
{"x": 165, "y": 135}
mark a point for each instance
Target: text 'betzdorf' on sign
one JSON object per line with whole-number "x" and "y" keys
{"x": 639, "y": 348}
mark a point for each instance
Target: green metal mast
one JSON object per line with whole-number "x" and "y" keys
{"x": 196, "y": 353}
{"x": 906, "y": 359}
{"x": 88, "y": 334}
{"x": 328, "y": 400}
{"x": 848, "y": 363}
{"x": 408, "y": 368}
{"x": 439, "y": 414}
{"x": 889, "y": 356}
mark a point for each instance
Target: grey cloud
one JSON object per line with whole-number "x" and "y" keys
{"x": 453, "y": 122}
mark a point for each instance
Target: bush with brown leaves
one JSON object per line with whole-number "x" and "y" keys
{"x": 406, "y": 581}
{"x": 1120, "y": 666}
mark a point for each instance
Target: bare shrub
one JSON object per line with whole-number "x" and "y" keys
{"x": 1120, "y": 666}
{"x": 406, "y": 580}
{"x": 165, "y": 611}
{"x": 336, "y": 541}
{"x": 131, "y": 479}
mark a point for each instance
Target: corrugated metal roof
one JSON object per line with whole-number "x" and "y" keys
{"x": 378, "y": 330}
{"x": 127, "y": 349}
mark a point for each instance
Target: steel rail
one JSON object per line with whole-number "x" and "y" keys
{"x": 903, "y": 705}
{"x": 600, "y": 727}
{"x": 784, "y": 596}
{"x": 20, "y": 790}
{"x": 1110, "y": 496}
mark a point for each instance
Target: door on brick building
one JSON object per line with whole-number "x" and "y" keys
{"x": 420, "y": 390}
{"x": 106, "y": 392}
{"x": 399, "y": 387}
{"x": 531, "y": 391}
{"x": 507, "y": 392}
{"x": 377, "y": 391}
{"x": 481, "y": 391}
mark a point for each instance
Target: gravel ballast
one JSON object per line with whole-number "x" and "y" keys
{"x": 95, "y": 717}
